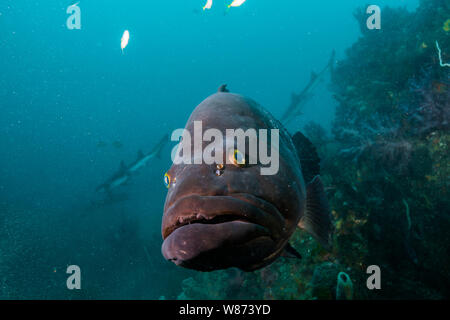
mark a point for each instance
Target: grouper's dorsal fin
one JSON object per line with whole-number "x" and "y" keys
{"x": 317, "y": 218}
{"x": 307, "y": 153}
{"x": 223, "y": 88}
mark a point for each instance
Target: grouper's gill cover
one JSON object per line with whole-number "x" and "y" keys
{"x": 241, "y": 218}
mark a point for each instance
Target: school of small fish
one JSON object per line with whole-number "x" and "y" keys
{"x": 126, "y": 34}
{"x": 235, "y": 3}
{"x": 124, "y": 40}
{"x": 208, "y": 5}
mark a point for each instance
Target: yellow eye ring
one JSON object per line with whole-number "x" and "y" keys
{"x": 167, "y": 180}
{"x": 238, "y": 158}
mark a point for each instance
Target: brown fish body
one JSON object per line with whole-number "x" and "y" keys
{"x": 217, "y": 217}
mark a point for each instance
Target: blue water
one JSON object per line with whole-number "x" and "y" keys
{"x": 62, "y": 92}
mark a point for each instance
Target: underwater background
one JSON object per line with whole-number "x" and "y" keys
{"x": 73, "y": 106}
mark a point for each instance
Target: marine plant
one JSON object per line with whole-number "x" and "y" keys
{"x": 344, "y": 287}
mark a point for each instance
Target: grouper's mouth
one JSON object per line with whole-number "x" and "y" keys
{"x": 195, "y": 226}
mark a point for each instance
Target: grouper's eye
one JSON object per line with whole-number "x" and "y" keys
{"x": 167, "y": 180}
{"x": 238, "y": 158}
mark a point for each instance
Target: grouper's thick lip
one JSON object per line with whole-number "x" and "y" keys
{"x": 217, "y": 246}
{"x": 219, "y": 209}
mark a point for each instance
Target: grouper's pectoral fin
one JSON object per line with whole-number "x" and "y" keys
{"x": 290, "y": 252}
{"x": 317, "y": 219}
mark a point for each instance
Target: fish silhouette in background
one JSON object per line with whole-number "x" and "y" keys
{"x": 124, "y": 173}
{"x": 298, "y": 100}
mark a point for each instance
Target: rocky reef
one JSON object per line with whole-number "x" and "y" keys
{"x": 386, "y": 171}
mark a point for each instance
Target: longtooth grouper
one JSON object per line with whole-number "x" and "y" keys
{"x": 236, "y": 217}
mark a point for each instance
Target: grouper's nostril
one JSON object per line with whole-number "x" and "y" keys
{"x": 219, "y": 169}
